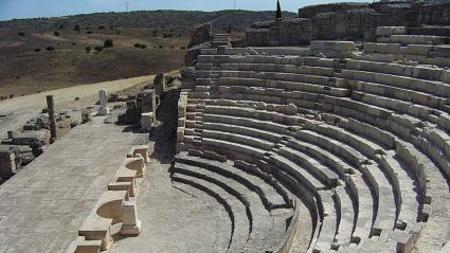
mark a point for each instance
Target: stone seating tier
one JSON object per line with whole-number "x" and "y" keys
{"x": 363, "y": 133}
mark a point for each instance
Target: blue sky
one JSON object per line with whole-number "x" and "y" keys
{"x": 10, "y": 9}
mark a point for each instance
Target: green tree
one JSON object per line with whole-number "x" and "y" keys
{"x": 279, "y": 13}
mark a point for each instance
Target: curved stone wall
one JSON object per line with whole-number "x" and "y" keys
{"x": 354, "y": 21}
{"x": 353, "y": 138}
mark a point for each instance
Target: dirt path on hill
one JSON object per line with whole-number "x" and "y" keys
{"x": 26, "y": 107}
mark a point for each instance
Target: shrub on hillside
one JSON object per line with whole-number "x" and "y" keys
{"x": 21, "y": 33}
{"x": 88, "y": 49}
{"x": 37, "y": 50}
{"x": 101, "y": 27}
{"x": 76, "y": 28}
{"x": 89, "y": 32}
{"x": 98, "y": 49}
{"x": 50, "y": 49}
{"x": 108, "y": 43}
{"x": 141, "y": 46}
{"x": 56, "y": 33}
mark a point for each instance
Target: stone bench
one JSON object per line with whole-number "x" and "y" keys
{"x": 111, "y": 208}
{"x": 230, "y": 79}
{"x": 375, "y": 134}
{"x": 126, "y": 176}
{"x": 390, "y": 30}
{"x": 235, "y": 148}
{"x": 277, "y": 51}
{"x": 416, "y": 97}
{"x": 414, "y": 39}
{"x": 282, "y": 60}
{"x": 311, "y": 168}
{"x": 362, "y": 144}
{"x": 143, "y": 150}
{"x": 326, "y": 238}
{"x": 238, "y": 138}
{"x": 282, "y": 68}
{"x": 401, "y": 107}
{"x": 338, "y": 49}
{"x": 81, "y": 245}
{"x": 417, "y": 71}
{"x": 260, "y": 134}
{"x": 404, "y": 186}
{"x": 281, "y": 76}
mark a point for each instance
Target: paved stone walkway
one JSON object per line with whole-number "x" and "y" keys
{"x": 44, "y": 205}
{"x": 173, "y": 221}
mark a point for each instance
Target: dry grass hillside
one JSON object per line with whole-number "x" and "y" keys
{"x": 42, "y": 54}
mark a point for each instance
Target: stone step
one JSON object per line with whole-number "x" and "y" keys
{"x": 437, "y": 88}
{"x": 415, "y": 39}
{"x": 235, "y": 209}
{"x": 248, "y": 80}
{"x": 278, "y": 68}
{"x": 328, "y": 229}
{"x": 260, "y": 219}
{"x": 268, "y": 194}
{"x": 395, "y": 68}
{"x": 235, "y": 147}
{"x": 238, "y": 138}
{"x": 311, "y": 167}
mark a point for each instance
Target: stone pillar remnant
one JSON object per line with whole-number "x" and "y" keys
{"x": 131, "y": 225}
{"x": 159, "y": 84}
{"x": 51, "y": 118}
{"x": 103, "y": 98}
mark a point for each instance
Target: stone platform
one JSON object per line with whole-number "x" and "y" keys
{"x": 43, "y": 206}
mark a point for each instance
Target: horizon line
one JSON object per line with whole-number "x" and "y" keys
{"x": 143, "y": 10}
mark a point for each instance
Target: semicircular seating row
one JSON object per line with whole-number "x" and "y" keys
{"x": 363, "y": 143}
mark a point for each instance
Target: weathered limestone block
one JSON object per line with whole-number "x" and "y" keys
{"x": 7, "y": 164}
{"x": 103, "y": 98}
{"x": 106, "y": 212}
{"x": 201, "y": 34}
{"x": 416, "y": 39}
{"x": 291, "y": 109}
{"x": 147, "y": 121}
{"x": 86, "y": 246}
{"x": 142, "y": 150}
{"x": 387, "y": 48}
{"x": 148, "y": 100}
{"x": 159, "y": 84}
{"x": 390, "y": 30}
{"x": 339, "y": 49}
{"x": 131, "y": 225}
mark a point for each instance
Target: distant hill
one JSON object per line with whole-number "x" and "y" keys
{"x": 239, "y": 19}
{"x": 48, "y": 53}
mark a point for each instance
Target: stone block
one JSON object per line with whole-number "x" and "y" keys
{"x": 147, "y": 121}
{"x": 390, "y": 30}
{"x": 131, "y": 225}
{"x": 103, "y": 110}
